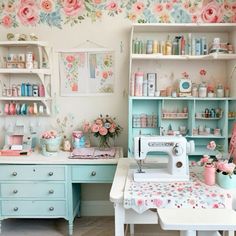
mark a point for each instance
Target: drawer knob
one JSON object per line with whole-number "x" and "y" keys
{"x": 50, "y": 173}
{"x": 51, "y": 208}
{"x": 93, "y": 173}
{"x": 15, "y": 191}
{"x": 14, "y": 173}
{"x": 51, "y": 191}
{"x": 16, "y": 209}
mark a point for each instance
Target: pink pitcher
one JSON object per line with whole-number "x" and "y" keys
{"x": 209, "y": 174}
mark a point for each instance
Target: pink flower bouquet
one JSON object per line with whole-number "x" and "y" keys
{"x": 104, "y": 128}
{"x": 49, "y": 134}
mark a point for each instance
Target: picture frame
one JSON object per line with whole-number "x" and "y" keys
{"x": 86, "y": 72}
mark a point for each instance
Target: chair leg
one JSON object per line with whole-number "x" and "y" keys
{"x": 131, "y": 226}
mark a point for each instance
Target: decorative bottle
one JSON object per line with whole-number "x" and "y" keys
{"x": 209, "y": 174}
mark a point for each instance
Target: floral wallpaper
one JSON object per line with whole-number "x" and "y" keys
{"x": 57, "y": 13}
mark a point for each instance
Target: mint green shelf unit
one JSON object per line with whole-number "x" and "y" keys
{"x": 220, "y": 69}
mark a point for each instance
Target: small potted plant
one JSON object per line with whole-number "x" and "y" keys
{"x": 225, "y": 169}
{"x": 50, "y": 143}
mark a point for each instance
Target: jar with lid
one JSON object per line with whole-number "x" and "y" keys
{"x": 220, "y": 91}
{"x": 194, "y": 90}
{"x": 149, "y": 47}
{"x": 209, "y": 174}
{"x": 202, "y": 93}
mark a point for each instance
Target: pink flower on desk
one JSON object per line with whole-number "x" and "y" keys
{"x": 103, "y": 131}
{"x": 49, "y": 134}
{"x": 95, "y": 128}
{"x": 204, "y": 159}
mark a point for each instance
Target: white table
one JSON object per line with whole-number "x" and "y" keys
{"x": 129, "y": 216}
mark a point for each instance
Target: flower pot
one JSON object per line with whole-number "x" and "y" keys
{"x": 50, "y": 146}
{"x": 226, "y": 181}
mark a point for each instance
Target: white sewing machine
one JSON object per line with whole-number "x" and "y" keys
{"x": 176, "y": 147}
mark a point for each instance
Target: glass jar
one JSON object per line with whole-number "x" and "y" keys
{"x": 202, "y": 92}
{"x": 194, "y": 90}
{"x": 220, "y": 91}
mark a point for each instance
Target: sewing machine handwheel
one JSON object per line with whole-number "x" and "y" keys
{"x": 179, "y": 164}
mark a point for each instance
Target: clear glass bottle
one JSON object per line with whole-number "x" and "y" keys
{"x": 220, "y": 91}
{"x": 202, "y": 91}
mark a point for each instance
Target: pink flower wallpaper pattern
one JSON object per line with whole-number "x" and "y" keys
{"x": 56, "y": 13}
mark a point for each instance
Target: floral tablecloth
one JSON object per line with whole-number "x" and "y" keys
{"x": 141, "y": 196}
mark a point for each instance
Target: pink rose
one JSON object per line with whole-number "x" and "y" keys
{"x": 112, "y": 130}
{"x": 70, "y": 58}
{"x": 194, "y": 19}
{"x": 112, "y": 6}
{"x": 169, "y": 6}
{"x": 212, "y": 12}
{"x": 139, "y": 202}
{"x": 103, "y": 131}
{"x": 158, "y": 7}
{"x": 202, "y": 72}
{"x": 204, "y": 159}
{"x": 27, "y": 2}
{"x": 95, "y": 128}
{"x": 7, "y": 21}
{"x": 28, "y": 14}
{"x": 138, "y": 7}
{"x": 233, "y": 7}
{"x": 46, "y": 5}
{"x": 99, "y": 122}
{"x": 233, "y": 18}
{"x": 158, "y": 202}
{"x": 211, "y": 145}
{"x": 97, "y": 1}
{"x": 104, "y": 75}
{"x": 72, "y": 7}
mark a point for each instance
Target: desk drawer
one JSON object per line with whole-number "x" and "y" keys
{"x": 33, "y": 208}
{"x": 37, "y": 190}
{"x": 93, "y": 173}
{"x": 31, "y": 172}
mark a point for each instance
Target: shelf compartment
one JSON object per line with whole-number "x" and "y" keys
{"x": 174, "y": 116}
{"x": 206, "y": 136}
{"x": 25, "y": 98}
{"x": 187, "y": 27}
{"x": 213, "y": 56}
{"x": 23, "y": 43}
{"x": 25, "y": 71}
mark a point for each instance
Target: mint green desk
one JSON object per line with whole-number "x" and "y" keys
{"x": 48, "y": 187}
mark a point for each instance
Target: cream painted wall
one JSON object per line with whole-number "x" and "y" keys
{"x": 111, "y": 32}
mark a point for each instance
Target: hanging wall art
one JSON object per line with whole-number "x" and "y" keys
{"x": 86, "y": 72}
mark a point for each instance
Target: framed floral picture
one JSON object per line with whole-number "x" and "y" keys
{"x": 86, "y": 72}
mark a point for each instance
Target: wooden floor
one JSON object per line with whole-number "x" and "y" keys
{"x": 84, "y": 226}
